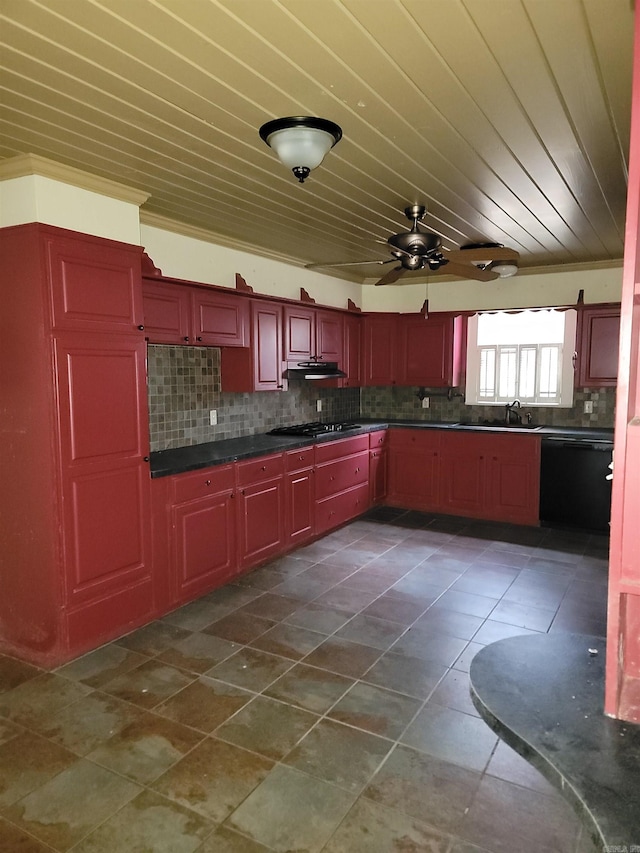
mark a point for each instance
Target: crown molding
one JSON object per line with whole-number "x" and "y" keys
{"x": 32, "y": 164}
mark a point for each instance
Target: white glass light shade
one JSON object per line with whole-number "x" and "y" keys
{"x": 301, "y": 146}
{"x": 504, "y": 270}
{"x": 301, "y": 142}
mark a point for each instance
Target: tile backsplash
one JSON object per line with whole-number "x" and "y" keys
{"x": 184, "y": 386}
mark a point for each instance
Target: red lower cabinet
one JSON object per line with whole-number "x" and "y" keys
{"x": 202, "y": 518}
{"x": 260, "y": 509}
{"x": 342, "y": 481}
{"x": 299, "y": 496}
{"x": 414, "y": 468}
{"x": 492, "y": 476}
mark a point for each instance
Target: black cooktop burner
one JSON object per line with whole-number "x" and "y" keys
{"x": 313, "y": 428}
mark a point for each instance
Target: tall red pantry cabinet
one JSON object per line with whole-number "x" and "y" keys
{"x": 75, "y": 557}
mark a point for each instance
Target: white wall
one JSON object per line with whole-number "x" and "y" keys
{"x": 34, "y": 198}
{"x": 179, "y": 256}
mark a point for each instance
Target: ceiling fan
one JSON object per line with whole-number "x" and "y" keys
{"x": 418, "y": 250}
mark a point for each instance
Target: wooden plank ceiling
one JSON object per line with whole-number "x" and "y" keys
{"x": 508, "y": 119}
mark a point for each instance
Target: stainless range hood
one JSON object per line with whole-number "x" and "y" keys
{"x": 314, "y": 370}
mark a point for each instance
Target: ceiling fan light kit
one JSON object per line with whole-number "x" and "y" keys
{"x": 504, "y": 269}
{"x": 301, "y": 142}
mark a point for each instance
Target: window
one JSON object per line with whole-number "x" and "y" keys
{"x": 526, "y": 356}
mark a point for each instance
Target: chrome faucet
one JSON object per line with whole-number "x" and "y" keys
{"x": 510, "y": 415}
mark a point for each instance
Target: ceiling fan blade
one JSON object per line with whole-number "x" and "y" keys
{"x": 467, "y": 271}
{"x": 392, "y": 276}
{"x": 348, "y": 264}
{"x": 499, "y": 253}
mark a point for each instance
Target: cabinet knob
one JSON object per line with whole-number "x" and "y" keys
{"x": 332, "y": 478}
{"x": 207, "y": 482}
{"x": 141, "y": 328}
{"x": 147, "y": 459}
{"x": 199, "y": 338}
{"x": 186, "y": 338}
{"x": 264, "y": 468}
{"x": 357, "y": 470}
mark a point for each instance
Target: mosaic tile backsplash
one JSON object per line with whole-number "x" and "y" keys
{"x": 185, "y": 385}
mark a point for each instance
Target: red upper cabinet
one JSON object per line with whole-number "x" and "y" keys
{"x": 94, "y": 286}
{"x": 379, "y": 343}
{"x": 352, "y": 355}
{"x": 312, "y": 334}
{"x": 167, "y": 312}
{"x": 258, "y": 367}
{"x": 429, "y": 350}
{"x": 179, "y": 313}
{"x": 329, "y": 336}
{"x": 597, "y": 345}
{"x": 220, "y": 319}
{"x": 299, "y": 338}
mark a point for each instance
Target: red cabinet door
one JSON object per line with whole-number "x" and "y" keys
{"x": 598, "y": 338}
{"x": 258, "y": 367}
{"x": 352, "y": 352}
{"x": 167, "y": 312}
{"x": 299, "y": 333}
{"x": 299, "y": 499}
{"x": 204, "y": 545}
{"x": 379, "y": 349}
{"x": 261, "y": 521}
{"x": 104, "y": 446}
{"x": 463, "y": 484}
{"x": 429, "y": 350}
{"x": 329, "y": 336}
{"x": 95, "y": 284}
{"x": 266, "y": 344}
{"x": 220, "y": 319}
{"x": 377, "y": 476}
{"x": 513, "y": 474}
{"x": 414, "y": 468}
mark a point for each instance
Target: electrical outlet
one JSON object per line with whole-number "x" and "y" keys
{"x": 213, "y": 417}
{"x": 318, "y": 405}
{"x": 425, "y": 402}
{"x": 588, "y": 407}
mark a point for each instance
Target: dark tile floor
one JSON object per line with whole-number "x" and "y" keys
{"x": 320, "y": 703}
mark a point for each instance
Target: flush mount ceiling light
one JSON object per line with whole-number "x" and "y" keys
{"x": 301, "y": 142}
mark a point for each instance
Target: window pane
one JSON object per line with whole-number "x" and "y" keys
{"x": 549, "y": 359}
{"x": 508, "y": 371}
{"x": 487, "y": 384}
{"x": 527, "y": 379}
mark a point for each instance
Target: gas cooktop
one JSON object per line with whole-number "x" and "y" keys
{"x": 313, "y": 428}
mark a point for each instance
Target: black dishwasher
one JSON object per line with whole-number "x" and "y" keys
{"x": 574, "y": 490}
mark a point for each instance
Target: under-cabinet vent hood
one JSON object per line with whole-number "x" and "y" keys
{"x": 314, "y": 370}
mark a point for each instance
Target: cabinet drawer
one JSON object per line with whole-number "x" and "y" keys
{"x": 334, "y": 477}
{"x": 296, "y": 460}
{"x": 420, "y": 439}
{"x": 341, "y": 447}
{"x": 334, "y": 511}
{"x": 379, "y": 438}
{"x": 198, "y": 484}
{"x": 262, "y": 468}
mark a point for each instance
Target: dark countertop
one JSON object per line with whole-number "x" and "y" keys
{"x": 543, "y": 695}
{"x": 181, "y": 459}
